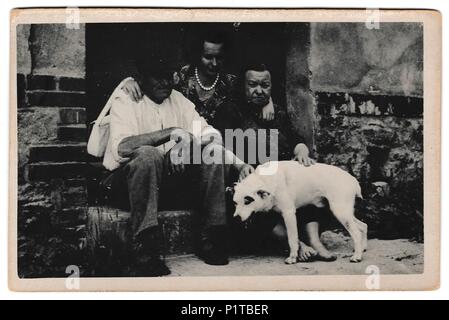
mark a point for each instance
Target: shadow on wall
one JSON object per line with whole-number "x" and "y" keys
{"x": 350, "y": 57}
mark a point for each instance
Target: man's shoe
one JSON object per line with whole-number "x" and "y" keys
{"x": 213, "y": 254}
{"x": 213, "y": 258}
{"x": 148, "y": 253}
{"x": 154, "y": 267}
{"x": 213, "y": 246}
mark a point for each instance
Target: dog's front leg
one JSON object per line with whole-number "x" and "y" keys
{"x": 292, "y": 235}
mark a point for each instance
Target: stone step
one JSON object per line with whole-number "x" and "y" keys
{"x": 109, "y": 239}
{"x": 69, "y": 217}
{"x": 42, "y": 171}
{"x": 72, "y": 132}
{"x": 110, "y": 224}
{"x": 61, "y": 152}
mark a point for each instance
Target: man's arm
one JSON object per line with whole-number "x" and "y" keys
{"x": 124, "y": 137}
{"x": 191, "y": 116}
{"x": 129, "y": 144}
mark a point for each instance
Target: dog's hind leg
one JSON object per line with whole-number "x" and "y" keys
{"x": 364, "y": 230}
{"x": 344, "y": 212}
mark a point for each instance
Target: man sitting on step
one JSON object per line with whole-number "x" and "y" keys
{"x": 150, "y": 152}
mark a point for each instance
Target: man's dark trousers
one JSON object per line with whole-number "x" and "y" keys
{"x": 149, "y": 187}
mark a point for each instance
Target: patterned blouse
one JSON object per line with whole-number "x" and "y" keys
{"x": 224, "y": 92}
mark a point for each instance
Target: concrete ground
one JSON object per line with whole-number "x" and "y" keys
{"x": 400, "y": 256}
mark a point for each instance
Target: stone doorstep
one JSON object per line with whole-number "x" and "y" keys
{"x": 107, "y": 225}
{"x": 60, "y": 152}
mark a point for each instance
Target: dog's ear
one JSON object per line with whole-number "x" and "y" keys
{"x": 263, "y": 193}
{"x": 230, "y": 190}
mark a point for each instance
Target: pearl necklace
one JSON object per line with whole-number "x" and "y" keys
{"x": 197, "y": 77}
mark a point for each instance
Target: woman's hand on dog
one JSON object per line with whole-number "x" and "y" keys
{"x": 301, "y": 153}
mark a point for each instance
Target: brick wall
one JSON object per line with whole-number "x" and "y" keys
{"x": 52, "y": 196}
{"x": 52, "y": 169}
{"x": 52, "y": 199}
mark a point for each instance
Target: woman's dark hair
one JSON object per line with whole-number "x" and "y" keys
{"x": 212, "y": 35}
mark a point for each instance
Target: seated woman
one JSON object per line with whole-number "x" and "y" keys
{"x": 286, "y": 145}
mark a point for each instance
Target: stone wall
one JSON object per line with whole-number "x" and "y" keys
{"x": 52, "y": 198}
{"x": 368, "y": 117}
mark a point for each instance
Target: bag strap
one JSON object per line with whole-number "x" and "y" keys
{"x": 108, "y": 104}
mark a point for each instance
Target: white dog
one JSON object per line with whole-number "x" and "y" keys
{"x": 292, "y": 186}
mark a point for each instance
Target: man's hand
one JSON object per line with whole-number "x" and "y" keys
{"x": 172, "y": 168}
{"x": 268, "y": 111}
{"x": 244, "y": 171}
{"x": 178, "y": 157}
{"x": 132, "y": 89}
{"x": 301, "y": 153}
{"x": 180, "y": 153}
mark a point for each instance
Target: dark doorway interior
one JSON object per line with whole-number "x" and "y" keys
{"x": 111, "y": 51}
{"x": 112, "y": 48}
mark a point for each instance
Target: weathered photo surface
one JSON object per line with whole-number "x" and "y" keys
{"x": 161, "y": 149}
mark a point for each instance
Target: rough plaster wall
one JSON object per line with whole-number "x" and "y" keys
{"x": 57, "y": 50}
{"x": 300, "y": 102}
{"x": 23, "y": 52}
{"x": 348, "y": 57}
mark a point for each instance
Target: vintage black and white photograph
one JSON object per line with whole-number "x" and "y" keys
{"x": 218, "y": 150}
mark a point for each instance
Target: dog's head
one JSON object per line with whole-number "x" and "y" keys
{"x": 250, "y": 196}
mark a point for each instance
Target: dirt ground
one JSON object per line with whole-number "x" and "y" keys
{"x": 400, "y": 256}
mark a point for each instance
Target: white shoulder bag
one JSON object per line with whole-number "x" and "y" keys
{"x": 99, "y": 136}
